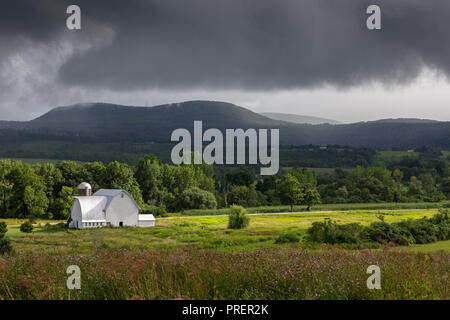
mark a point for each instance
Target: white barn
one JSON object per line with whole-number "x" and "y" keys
{"x": 106, "y": 207}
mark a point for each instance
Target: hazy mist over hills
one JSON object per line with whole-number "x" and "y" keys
{"x": 296, "y": 118}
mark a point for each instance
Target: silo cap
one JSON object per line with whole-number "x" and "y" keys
{"x": 84, "y": 185}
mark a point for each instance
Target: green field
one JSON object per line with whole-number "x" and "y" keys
{"x": 424, "y": 248}
{"x": 395, "y": 156}
{"x": 195, "y": 257}
{"x": 20, "y": 221}
{"x": 39, "y": 161}
{"x": 201, "y": 232}
{"x": 326, "y": 207}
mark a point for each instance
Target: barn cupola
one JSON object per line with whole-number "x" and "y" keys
{"x": 84, "y": 189}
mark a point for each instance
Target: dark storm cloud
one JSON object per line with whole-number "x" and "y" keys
{"x": 247, "y": 44}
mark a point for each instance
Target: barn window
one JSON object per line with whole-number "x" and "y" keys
{"x": 121, "y": 195}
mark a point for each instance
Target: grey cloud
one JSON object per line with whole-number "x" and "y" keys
{"x": 245, "y": 44}
{"x": 262, "y": 44}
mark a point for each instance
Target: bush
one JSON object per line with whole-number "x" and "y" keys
{"x": 426, "y": 230}
{"x": 3, "y": 229}
{"x": 418, "y": 231}
{"x": 330, "y": 232}
{"x": 26, "y": 227}
{"x": 287, "y": 238}
{"x": 243, "y": 196}
{"x": 238, "y": 218}
{"x": 155, "y": 210}
{"x": 196, "y": 198}
{"x": 384, "y": 233}
{"x": 5, "y": 244}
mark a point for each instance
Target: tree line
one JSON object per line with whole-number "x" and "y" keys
{"x": 46, "y": 190}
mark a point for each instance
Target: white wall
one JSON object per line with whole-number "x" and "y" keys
{"x": 146, "y": 223}
{"x": 76, "y": 214}
{"x": 122, "y": 209}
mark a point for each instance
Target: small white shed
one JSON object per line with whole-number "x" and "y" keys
{"x": 146, "y": 220}
{"x": 106, "y": 207}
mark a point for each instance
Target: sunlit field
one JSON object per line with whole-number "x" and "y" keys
{"x": 201, "y": 232}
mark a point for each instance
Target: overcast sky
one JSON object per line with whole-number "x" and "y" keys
{"x": 311, "y": 57}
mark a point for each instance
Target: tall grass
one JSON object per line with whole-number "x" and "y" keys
{"x": 286, "y": 273}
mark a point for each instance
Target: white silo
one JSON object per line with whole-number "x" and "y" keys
{"x": 84, "y": 189}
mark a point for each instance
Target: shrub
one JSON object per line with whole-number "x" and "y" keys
{"x": 384, "y": 233}
{"x": 196, "y": 198}
{"x": 238, "y": 218}
{"x": 442, "y": 221}
{"x": 155, "y": 210}
{"x": 330, "y": 232}
{"x": 5, "y": 244}
{"x": 3, "y": 228}
{"x": 26, "y": 227}
{"x": 287, "y": 238}
{"x": 320, "y": 231}
{"x": 401, "y": 233}
{"x": 418, "y": 231}
{"x": 426, "y": 230}
{"x": 243, "y": 196}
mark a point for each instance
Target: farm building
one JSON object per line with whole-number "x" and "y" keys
{"x": 106, "y": 207}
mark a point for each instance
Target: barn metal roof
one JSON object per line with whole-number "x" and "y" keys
{"x": 146, "y": 217}
{"x": 108, "y": 192}
{"x": 92, "y": 208}
{"x": 111, "y": 193}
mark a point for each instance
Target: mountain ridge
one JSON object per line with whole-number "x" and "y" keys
{"x": 118, "y": 123}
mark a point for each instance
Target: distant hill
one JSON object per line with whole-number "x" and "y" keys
{"x": 406, "y": 120}
{"x": 116, "y": 122}
{"x": 124, "y": 127}
{"x": 295, "y": 118}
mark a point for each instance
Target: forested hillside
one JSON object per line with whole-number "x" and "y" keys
{"x": 107, "y": 123}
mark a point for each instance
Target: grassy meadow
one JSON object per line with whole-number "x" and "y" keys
{"x": 194, "y": 257}
{"x": 187, "y": 273}
{"x": 325, "y": 207}
{"x": 209, "y": 232}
